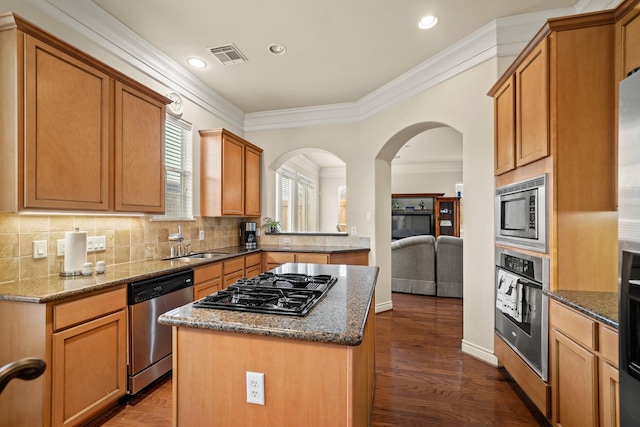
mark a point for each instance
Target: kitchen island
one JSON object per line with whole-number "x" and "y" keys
{"x": 319, "y": 370}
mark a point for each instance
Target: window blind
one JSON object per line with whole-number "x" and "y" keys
{"x": 178, "y": 163}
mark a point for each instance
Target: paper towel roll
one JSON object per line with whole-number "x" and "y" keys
{"x": 75, "y": 250}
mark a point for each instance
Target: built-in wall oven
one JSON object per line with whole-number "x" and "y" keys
{"x": 522, "y": 309}
{"x": 150, "y": 344}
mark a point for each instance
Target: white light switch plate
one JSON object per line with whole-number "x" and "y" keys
{"x": 39, "y": 249}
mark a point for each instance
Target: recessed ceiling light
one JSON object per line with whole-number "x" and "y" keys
{"x": 427, "y": 22}
{"x": 196, "y": 63}
{"x": 277, "y": 49}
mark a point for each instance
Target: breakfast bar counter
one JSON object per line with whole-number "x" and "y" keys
{"x": 318, "y": 369}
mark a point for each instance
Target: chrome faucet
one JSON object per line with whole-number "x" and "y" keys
{"x": 176, "y": 250}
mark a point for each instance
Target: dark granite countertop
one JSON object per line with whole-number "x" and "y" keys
{"x": 317, "y": 249}
{"x": 53, "y": 288}
{"x": 601, "y": 306}
{"x": 338, "y": 318}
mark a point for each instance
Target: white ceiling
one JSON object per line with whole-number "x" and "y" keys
{"x": 337, "y": 50}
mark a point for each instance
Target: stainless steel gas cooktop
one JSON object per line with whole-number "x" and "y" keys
{"x": 291, "y": 294}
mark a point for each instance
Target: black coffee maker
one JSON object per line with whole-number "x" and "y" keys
{"x": 248, "y": 234}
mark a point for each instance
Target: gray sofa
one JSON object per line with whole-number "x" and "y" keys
{"x": 449, "y": 266}
{"x": 426, "y": 266}
{"x": 413, "y": 262}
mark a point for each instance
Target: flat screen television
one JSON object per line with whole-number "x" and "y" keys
{"x": 406, "y": 225}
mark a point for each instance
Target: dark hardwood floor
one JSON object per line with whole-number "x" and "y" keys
{"x": 423, "y": 377}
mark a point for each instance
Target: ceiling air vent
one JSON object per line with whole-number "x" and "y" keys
{"x": 228, "y": 54}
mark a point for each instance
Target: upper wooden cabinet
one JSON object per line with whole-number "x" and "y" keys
{"x": 532, "y": 106}
{"x": 229, "y": 175}
{"x": 558, "y": 94}
{"x": 627, "y": 36}
{"x": 80, "y": 135}
{"x": 505, "y": 127}
{"x": 139, "y": 151}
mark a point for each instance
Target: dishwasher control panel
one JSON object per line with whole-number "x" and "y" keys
{"x": 153, "y": 288}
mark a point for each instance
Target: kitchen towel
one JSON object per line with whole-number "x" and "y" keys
{"x": 75, "y": 250}
{"x": 509, "y": 295}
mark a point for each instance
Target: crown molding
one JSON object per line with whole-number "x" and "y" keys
{"x": 425, "y": 168}
{"x": 94, "y": 23}
{"x": 502, "y": 37}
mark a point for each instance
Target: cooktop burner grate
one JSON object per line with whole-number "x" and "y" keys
{"x": 287, "y": 294}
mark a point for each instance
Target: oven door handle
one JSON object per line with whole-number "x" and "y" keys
{"x": 522, "y": 280}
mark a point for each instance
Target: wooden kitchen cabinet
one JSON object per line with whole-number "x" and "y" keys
{"x": 521, "y": 112}
{"x": 232, "y": 271}
{"x": 532, "y": 106}
{"x": 139, "y": 151}
{"x": 583, "y": 369}
{"x": 67, "y": 132}
{"x": 207, "y": 280}
{"x": 64, "y": 118}
{"x": 83, "y": 341}
{"x": 252, "y": 265}
{"x": 229, "y": 175}
{"x": 627, "y": 36}
{"x": 565, "y": 109}
{"x": 274, "y": 259}
{"x": 505, "y": 127}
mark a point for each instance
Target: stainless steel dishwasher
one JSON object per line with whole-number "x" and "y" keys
{"x": 150, "y": 342}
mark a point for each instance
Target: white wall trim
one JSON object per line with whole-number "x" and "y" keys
{"x": 478, "y": 352}
{"x": 384, "y": 306}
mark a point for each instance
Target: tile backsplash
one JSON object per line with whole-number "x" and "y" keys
{"x": 128, "y": 238}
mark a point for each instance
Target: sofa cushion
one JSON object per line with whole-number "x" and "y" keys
{"x": 413, "y": 265}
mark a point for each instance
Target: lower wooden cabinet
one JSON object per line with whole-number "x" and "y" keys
{"x": 89, "y": 363}
{"x": 252, "y": 265}
{"x": 609, "y": 397}
{"x": 584, "y": 370}
{"x": 575, "y": 383}
{"x": 274, "y": 259}
{"x": 84, "y": 344}
{"x": 206, "y": 280}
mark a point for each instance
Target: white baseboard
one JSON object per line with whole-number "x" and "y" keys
{"x": 384, "y": 306}
{"x": 479, "y": 353}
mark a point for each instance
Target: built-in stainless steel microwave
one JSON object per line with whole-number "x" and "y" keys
{"x": 521, "y": 214}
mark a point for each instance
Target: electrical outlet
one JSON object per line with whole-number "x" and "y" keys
{"x": 60, "y": 247}
{"x": 201, "y": 234}
{"x": 255, "y": 388}
{"x": 286, "y": 240}
{"x": 353, "y": 231}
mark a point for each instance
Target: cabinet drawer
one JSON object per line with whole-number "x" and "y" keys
{"x": 208, "y": 287}
{"x": 580, "y": 328}
{"x": 252, "y": 271}
{"x": 279, "y": 257}
{"x": 252, "y": 260}
{"x": 236, "y": 264}
{"x": 609, "y": 344}
{"x": 207, "y": 272}
{"x": 81, "y": 310}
